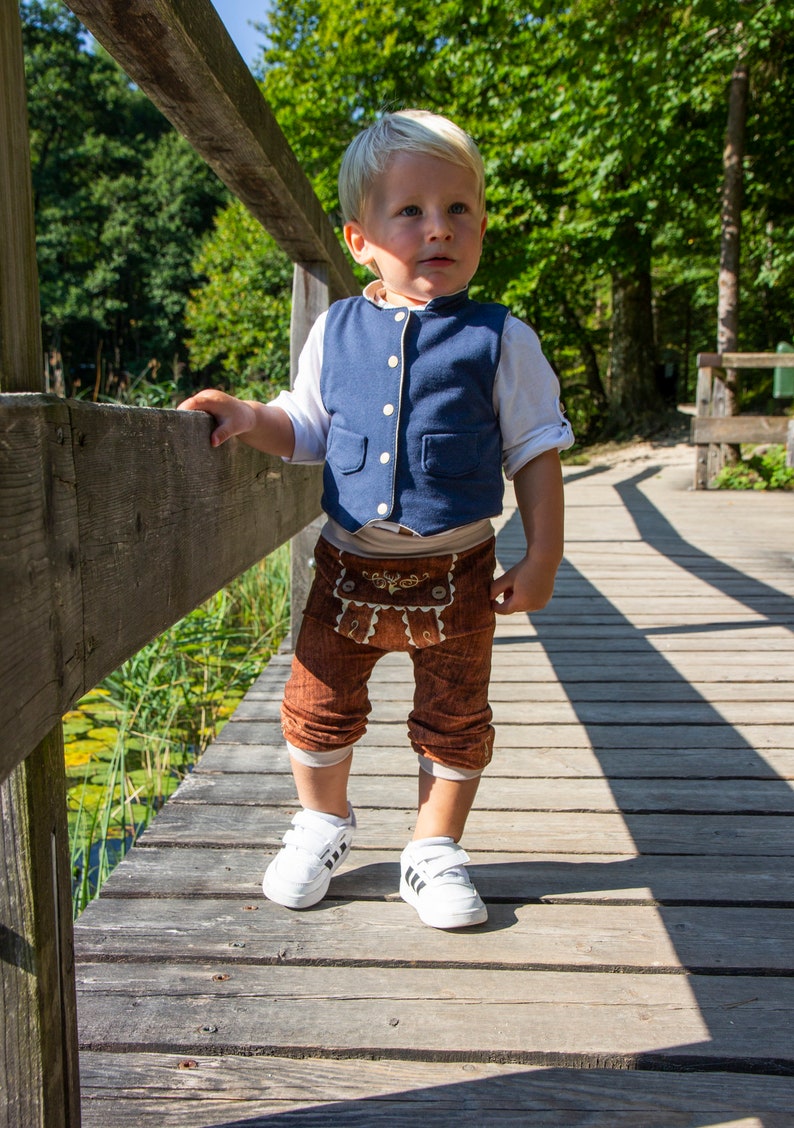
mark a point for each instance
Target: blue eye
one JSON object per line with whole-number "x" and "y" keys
{"x": 410, "y": 210}
{"x": 458, "y": 209}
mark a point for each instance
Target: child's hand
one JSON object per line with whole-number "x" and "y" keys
{"x": 232, "y": 416}
{"x": 527, "y": 586}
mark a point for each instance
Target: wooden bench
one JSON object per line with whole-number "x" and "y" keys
{"x": 713, "y": 428}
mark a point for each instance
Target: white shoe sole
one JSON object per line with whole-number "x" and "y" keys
{"x": 286, "y": 894}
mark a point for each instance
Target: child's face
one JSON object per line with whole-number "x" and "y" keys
{"x": 422, "y": 228}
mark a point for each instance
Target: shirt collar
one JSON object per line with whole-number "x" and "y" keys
{"x": 375, "y": 293}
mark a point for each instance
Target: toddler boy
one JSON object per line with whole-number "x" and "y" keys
{"x": 416, "y": 398}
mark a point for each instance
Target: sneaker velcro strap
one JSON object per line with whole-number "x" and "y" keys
{"x": 446, "y": 861}
{"x": 309, "y": 839}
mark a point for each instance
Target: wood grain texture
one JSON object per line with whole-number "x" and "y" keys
{"x": 96, "y": 569}
{"x": 740, "y": 429}
{"x": 363, "y": 1093}
{"x": 632, "y": 840}
{"x": 745, "y": 360}
{"x": 39, "y": 1084}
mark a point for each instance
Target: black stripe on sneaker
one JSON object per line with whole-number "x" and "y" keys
{"x": 414, "y": 880}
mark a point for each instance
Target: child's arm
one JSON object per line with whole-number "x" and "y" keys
{"x": 528, "y": 585}
{"x": 262, "y": 426}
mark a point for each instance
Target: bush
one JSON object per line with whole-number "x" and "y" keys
{"x": 764, "y": 468}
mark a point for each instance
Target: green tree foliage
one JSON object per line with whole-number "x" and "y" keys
{"x": 601, "y": 123}
{"x": 238, "y": 319}
{"x": 121, "y": 205}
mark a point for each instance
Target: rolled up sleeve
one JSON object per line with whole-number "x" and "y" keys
{"x": 527, "y": 400}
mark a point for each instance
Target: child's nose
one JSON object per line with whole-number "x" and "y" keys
{"x": 439, "y": 226}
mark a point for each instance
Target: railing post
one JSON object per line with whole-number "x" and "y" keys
{"x": 310, "y": 297}
{"x": 39, "y": 1079}
{"x": 702, "y": 408}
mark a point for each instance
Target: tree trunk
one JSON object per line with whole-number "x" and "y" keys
{"x": 731, "y": 226}
{"x": 593, "y": 381}
{"x": 633, "y": 394}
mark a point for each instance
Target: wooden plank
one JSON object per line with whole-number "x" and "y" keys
{"x": 38, "y": 1057}
{"x": 670, "y": 689}
{"x": 630, "y": 796}
{"x": 198, "y": 871}
{"x": 605, "y": 738}
{"x": 532, "y": 1017}
{"x": 739, "y": 429}
{"x": 519, "y": 832}
{"x": 370, "y": 933}
{"x": 745, "y": 360}
{"x": 75, "y": 537}
{"x": 589, "y": 900}
{"x": 38, "y": 1064}
{"x": 123, "y": 1090}
{"x": 705, "y": 381}
{"x": 257, "y": 502}
{"x": 642, "y": 712}
{"x": 515, "y": 763}
{"x": 181, "y": 56}
{"x": 41, "y": 660}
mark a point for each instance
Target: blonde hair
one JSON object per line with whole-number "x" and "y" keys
{"x": 416, "y": 131}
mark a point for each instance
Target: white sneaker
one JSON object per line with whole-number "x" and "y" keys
{"x": 435, "y": 882}
{"x": 313, "y": 850}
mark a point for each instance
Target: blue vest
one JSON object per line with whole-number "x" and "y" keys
{"x": 414, "y": 437}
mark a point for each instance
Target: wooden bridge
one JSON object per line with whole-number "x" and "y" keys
{"x": 632, "y": 837}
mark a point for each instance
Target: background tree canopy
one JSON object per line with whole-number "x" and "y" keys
{"x": 602, "y": 126}
{"x": 121, "y": 203}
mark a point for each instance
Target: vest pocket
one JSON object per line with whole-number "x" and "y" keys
{"x": 346, "y": 450}
{"x": 450, "y": 456}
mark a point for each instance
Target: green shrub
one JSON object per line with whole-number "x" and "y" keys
{"x": 129, "y": 742}
{"x": 764, "y": 468}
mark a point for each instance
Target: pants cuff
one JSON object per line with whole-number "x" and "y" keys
{"x": 319, "y": 759}
{"x": 443, "y": 771}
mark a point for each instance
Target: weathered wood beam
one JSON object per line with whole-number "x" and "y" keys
{"x": 114, "y": 523}
{"x": 739, "y": 429}
{"x": 745, "y": 360}
{"x": 39, "y": 1077}
{"x": 310, "y": 297}
{"x": 181, "y": 56}
{"x": 20, "y": 349}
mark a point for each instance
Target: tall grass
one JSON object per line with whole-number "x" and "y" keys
{"x": 132, "y": 740}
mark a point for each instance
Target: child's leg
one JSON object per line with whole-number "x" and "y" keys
{"x": 323, "y": 788}
{"x": 324, "y": 713}
{"x": 451, "y": 731}
{"x": 444, "y": 806}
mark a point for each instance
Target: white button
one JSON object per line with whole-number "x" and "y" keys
{"x": 385, "y": 457}
{"x": 393, "y": 361}
{"x": 383, "y": 508}
{"x": 400, "y": 316}
{"x": 388, "y": 409}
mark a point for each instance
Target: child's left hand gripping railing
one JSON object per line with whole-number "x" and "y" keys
{"x": 115, "y": 522}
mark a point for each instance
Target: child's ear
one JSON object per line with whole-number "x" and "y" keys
{"x": 357, "y": 243}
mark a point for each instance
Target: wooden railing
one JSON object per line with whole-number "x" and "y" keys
{"x": 713, "y": 428}
{"x": 115, "y": 522}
